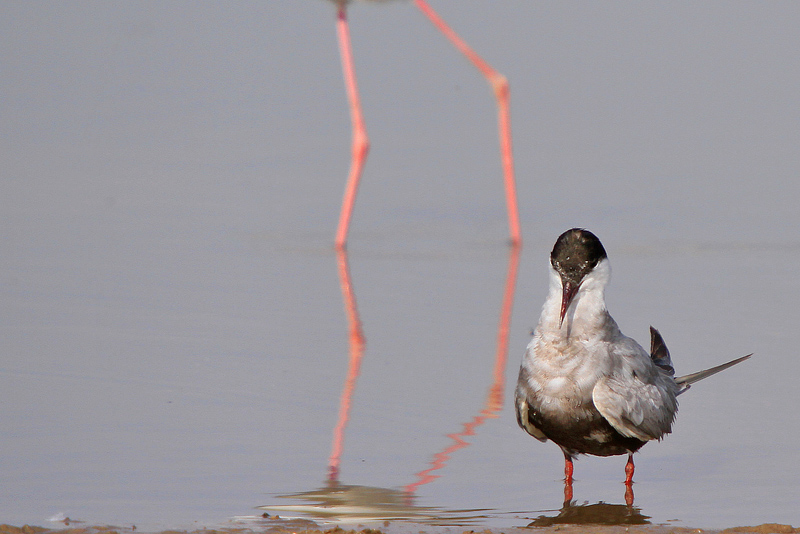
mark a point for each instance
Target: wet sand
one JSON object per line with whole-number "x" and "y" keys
{"x": 276, "y": 525}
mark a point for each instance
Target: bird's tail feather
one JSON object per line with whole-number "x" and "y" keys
{"x": 686, "y": 381}
{"x": 660, "y": 353}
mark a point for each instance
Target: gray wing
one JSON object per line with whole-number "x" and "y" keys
{"x": 638, "y": 399}
{"x": 634, "y": 408}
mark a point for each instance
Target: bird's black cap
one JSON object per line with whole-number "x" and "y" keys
{"x": 576, "y": 253}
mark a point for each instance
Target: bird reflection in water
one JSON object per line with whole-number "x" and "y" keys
{"x": 350, "y": 503}
{"x": 593, "y": 514}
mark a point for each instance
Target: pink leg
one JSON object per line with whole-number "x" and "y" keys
{"x": 494, "y": 400}
{"x": 360, "y": 144}
{"x": 499, "y": 84}
{"x": 357, "y": 345}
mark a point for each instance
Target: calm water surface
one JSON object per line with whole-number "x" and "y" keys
{"x": 180, "y": 343}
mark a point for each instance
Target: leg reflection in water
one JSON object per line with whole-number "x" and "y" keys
{"x": 336, "y": 501}
{"x": 357, "y": 343}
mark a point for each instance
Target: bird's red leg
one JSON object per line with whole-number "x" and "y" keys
{"x": 629, "y": 481}
{"x": 567, "y": 479}
{"x": 360, "y": 143}
{"x": 629, "y": 471}
{"x": 568, "y": 469}
{"x": 499, "y": 85}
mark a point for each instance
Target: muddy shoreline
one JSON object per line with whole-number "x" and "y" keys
{"x": 302, "y": 526}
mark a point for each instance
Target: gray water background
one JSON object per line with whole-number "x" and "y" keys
{"x": 174, "y": 342}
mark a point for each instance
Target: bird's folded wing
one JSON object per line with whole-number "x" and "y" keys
{"x": 634, "y": 408}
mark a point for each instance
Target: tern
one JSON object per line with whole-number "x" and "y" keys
{"x": 582, "y": 383}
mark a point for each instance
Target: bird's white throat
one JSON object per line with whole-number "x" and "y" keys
{"x": 587, "y": 315}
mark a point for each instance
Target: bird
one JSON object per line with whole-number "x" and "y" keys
{"x": 582, "y": 383}
{"x": 360, "y": 140}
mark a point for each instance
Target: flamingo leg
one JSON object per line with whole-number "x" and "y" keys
{"x": 357, "y": 345}
{"x": 499, "y": 85}
{"x": 360, "y": 142}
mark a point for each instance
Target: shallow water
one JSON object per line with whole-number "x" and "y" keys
{"x": 177, "y": 343}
